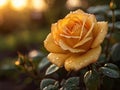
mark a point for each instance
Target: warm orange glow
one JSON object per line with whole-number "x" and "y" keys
{"x": 17, "y": 63}
{"x": 39, "y": 5}
{"x": 3, "y": 3}
{"x": 19, "y": 4}
{"x": 73, "y": 3}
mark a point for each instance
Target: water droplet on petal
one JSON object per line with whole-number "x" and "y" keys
{"x": 57, "y": 58}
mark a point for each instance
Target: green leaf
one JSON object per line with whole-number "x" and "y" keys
{"x": 117, "y": 13}
{"x": 101, "y": 59}
{"x": 91, "y": 80}
{"x": 108, "y": 83}
{"x": 98, "y": 9}
{"x": 115, "y": 52}
{"x": 43, "y": 63}
{"x": 117, "y": 24}
{"x": 115, "y": 37}
{"x": 53, "y": 68}
{"x": 46, "y": 82}
{"x": 72, "y": 81}
{"x": 50, "y": 87}
{"x": 110, "y": 72}
{"x": 71, "y": 84}
{"x": 112, "y": 66}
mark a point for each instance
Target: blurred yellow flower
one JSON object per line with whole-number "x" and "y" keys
{"x": 74, "y": 42}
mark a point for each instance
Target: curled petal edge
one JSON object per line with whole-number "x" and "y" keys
{"x": 58, "y": 59}
{"x": 76, "y": 62}
{"x": 101, "y": 33}
{"x": 50, "y": 45}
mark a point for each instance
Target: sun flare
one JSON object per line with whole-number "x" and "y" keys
{"x": 19, "y": 4}
{"x": 73, "y": 3}
{"x": 39, "y": 5}
{"x": 3, "y": 3}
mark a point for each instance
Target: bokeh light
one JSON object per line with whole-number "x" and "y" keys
{"x": 73, "y": 3}
{"x": 3, "y": 3}
{"x": 17, "y": 63}
{"x": 19, "y": 4}
{"x": 33, "y": 53}
{"x": 39, "y": 5}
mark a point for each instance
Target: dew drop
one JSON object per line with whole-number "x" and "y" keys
{"x": 57, "y": 58}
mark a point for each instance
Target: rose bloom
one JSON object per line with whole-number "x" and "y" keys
{"x": 74, "y": 41}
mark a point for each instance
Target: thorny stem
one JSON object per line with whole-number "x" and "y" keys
{"x": 112, "y": 31}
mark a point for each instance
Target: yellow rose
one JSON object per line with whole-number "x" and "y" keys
{"x": 74, "y": 42}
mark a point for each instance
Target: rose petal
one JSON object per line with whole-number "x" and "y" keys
{"x": 90, "y": 31}
{"x": 69, "y": 36}
{"x": 92, "y": 19}
{"x": 66, "y": 47}
{"x": 79, "y": 11}
{"x": 51, "y": 46}
{"x": 83, "y": 41}
{"x": 101, "y": 32}
{"x": 76, "y": 62}
{"x": 75, "y": 12}
{"x": 58, "y": 59}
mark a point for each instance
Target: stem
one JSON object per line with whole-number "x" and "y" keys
{"x": 112, "y": 31}
{"x": 68, "y": 74}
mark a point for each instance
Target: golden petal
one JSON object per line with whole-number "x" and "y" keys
{"x": 75, "y": 12}
{"x": 79, "y": 11}
{"x": 82, "y": 29}
{"x": 82, "y": 42}
{"x": 100, "y": 33}
{"x": 51, "y": 46}
{"x": 76, "y": 62}
{"x": 90, "y": 31}
{"x": 54, "y": 31}
{"x": 66, "y": 36}
{"x": 64, "y": 46}
{"x": 92, "y": 19}
{"x": 58, "y": 59}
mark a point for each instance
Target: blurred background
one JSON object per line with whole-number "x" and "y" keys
{"x": 24, "y": 24}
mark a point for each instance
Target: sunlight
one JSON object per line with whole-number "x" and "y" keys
{"x": 3, "y": 3}
{"x": 73, "y": 3}
{"x": 19, "y": 4}
{"x": 39, "y": 5}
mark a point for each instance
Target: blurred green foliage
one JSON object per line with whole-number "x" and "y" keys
{"x": 24, "y": 38}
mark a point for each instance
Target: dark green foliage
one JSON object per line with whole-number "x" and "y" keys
{"x": 98, "y": 9}
{"x": 110, "y": 71}
{"x": 71, "y": 84}
{"x": 91, "y": 80}
{"x": 117, "y": 24}
{"x": 50, "y": 87}
{"x": 47, "y": 84}
{"x": 112, "y": 66}
{"x": 115, "y": 52}
{"x": 115, "y": 38}
{"x": 43, "y": 63}
{"x": 52, "y": 68}
{"x": 108, "y": 83}
{"x": 102, "y": 59}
